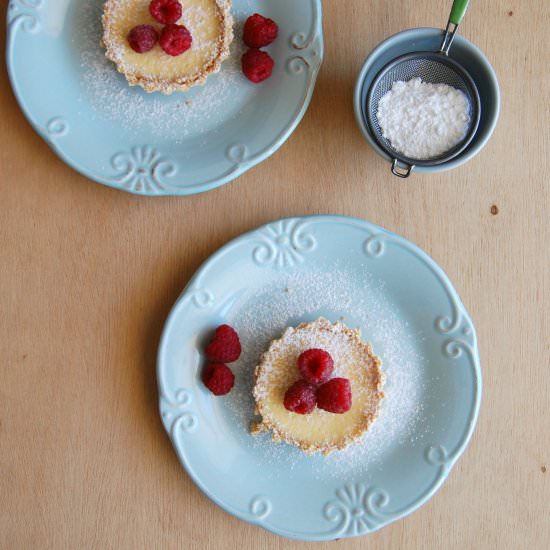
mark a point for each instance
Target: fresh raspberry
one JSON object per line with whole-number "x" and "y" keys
{"x": 225, "y": 346}
{"x": 165, "y": 11}
{"x": 316, "y": 365}
{"x": 175, "y": 39}
{"x": 218, "y": 378}
{"x": 142, "y": 38}
{"x": 300, "y": 397}
{"x": 335, "y": 396}
{"x": 259, "y": 31}
{"x": 257, "y": 65}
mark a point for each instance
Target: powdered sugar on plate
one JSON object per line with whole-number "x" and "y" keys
{"x": 358, "y": 301}
{"x": 197, "y": 112}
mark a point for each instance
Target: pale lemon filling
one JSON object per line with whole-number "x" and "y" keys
{"x": 320, "y": 425}
{"x": 202, "y": 19}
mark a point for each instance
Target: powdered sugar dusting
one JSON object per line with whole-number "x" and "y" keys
{"x": 199, "y": 111}
{"x": 193, "y": 18}
{"x": 359, "y": 301}
{"x": 423, "y": 120}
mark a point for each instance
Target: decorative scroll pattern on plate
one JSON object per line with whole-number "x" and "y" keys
{"x": 177, "y": 412}
{"x": 57, "y": 127}
{"x": 357, "y": 509}
{"x": 283, "y": 244}
{"x": 22, "y": 14}
{"x": 142, "y": 170}
{"x": 260, "y": 507}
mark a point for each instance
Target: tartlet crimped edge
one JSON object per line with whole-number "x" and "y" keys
{"x": 278, "y": 435}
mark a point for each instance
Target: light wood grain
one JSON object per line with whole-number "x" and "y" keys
{"x": 88, "y": 275}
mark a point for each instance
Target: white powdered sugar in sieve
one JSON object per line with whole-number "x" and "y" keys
{"x": 423, "y": 120}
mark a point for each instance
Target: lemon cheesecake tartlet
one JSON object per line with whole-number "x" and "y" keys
{"x": 207, "y": 26}
{"x": 279, "y": 377}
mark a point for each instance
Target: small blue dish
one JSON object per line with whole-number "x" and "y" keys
{"x": 152, "y": 144}
{"x": 465, "y": 53}
{"x": 297, "y": 270}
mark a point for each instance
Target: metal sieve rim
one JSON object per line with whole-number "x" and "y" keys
{"x": 451, "y": 153}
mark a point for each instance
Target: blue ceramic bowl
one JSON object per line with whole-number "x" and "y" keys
{"x": 463, "y": 51}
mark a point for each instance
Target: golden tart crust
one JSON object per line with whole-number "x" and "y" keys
{"x": 210, "y": 23}
{"x": 319, "y": 431}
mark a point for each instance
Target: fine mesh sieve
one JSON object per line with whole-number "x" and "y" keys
{"x": 434, "y": 68}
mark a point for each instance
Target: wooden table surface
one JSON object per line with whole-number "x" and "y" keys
{"x": 88, "y": 275}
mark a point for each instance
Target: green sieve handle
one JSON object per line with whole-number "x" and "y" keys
{"x": 457, "y": 13}
{"x": 458, "y": 10}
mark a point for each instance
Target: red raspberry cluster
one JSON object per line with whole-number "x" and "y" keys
{"x": 174, "y": 39}
{"x": 225, "y": 347}
{"x": 259, "y": 31}
{"x": 316, "y": 388}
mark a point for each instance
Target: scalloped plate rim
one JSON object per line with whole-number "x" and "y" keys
{"x": 444, "y": 469}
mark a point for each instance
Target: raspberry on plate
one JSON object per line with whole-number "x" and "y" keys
{"x": 300, "y": 397}
{"x": 175, "y": 39}
{"x": 218, "y": 378}
{"x": 257, "y": 65}
{"x": 259, "y": 31}
{"x": 142, "y": 38}
{"x": 315, "y": 365}
{"x": 165, "y": 11}
{"x": 225, "y": 347}
{"x": 335, "y": 396}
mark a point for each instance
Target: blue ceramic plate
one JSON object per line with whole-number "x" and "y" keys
{"x": 149, "y": 143}
{"x": 296, "y": 270}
